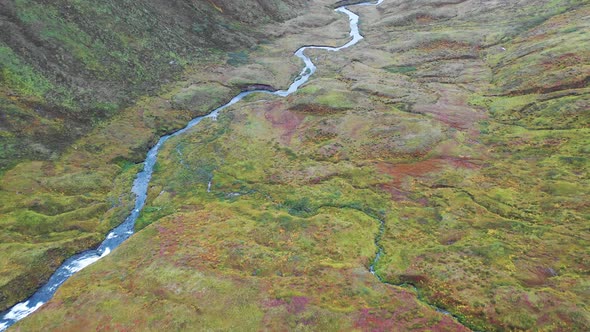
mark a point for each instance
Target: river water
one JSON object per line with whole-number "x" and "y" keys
{"x": 140, "y": 186}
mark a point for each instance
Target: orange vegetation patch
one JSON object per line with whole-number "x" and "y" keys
{"x": 285, "y": 120}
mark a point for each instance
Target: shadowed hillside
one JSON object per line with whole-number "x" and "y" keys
{"x": 66, "y": 65}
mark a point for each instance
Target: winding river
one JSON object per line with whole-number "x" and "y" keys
{"x": 140, "y": 186}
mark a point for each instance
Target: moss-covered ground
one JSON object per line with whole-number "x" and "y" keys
{"x": 462, "y": 126}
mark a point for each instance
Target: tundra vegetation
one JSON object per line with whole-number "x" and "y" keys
{"x": 455, "y": 138}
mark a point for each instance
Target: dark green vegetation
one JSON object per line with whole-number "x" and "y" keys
{"x": 462, "y": 125}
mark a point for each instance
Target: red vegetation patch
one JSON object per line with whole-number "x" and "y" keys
{"x": 169, "y": 239}
{"x": 273, "y": 303}
{"x": 397, "y": 194}
{"x": 297, "y": 305}
{"x": 452, "y": 109}
{"x": 547, "y": 309}
{"x": 400, "y": 171}
{"x": 54, "y": 304}
{"x": 462, "y": 162}
{"x": 287, "y": 121}
{"x": 375, "y": 320}
{"x": 564, "y": 61}
{"x": 414, "y": 279}
{"x": 182, "y": 242}
{"x": 533, "y": 276}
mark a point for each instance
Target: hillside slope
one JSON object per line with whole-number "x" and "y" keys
{"x": 66, "y": 65}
